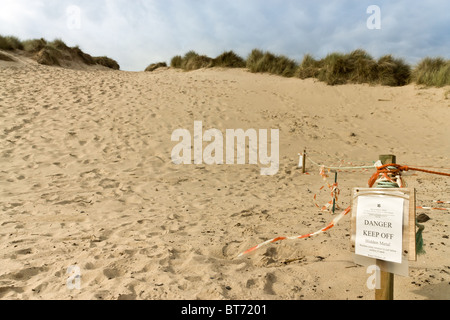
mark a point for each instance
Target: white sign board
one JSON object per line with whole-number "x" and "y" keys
{"x": 379, "y": 228}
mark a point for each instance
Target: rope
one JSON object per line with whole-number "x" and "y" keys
{"x": 340, "y": 168}
{"x": 334, "y": 189}
{"x": 397, "y": 169}
{"x": 384, "y": 178}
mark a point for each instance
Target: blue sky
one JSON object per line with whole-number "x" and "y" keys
{"x": 139, "y": 32}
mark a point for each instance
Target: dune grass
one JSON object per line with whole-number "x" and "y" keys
{"x": 393, "y": 71}
{"x": 309, "y": 68}
{"x": 229, "y": 59}
{"x": 107, "y": 62}
{"x": 34, "y": 45}
{"x": 176, "y": 62}
{"x": 10, "y": 43}
{"x": 155, "y": 66}
{"x": 54, "y": 53}
{"x": 194, "y": 61}
{"x": 267, "y": 62}
{"x": 49, "y": 57}
{"x": 335, "y": 69}
{"x": 355, "y": 67}
{"x": 433, "y": 72}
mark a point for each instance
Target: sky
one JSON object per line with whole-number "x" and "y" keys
{"x": 137, "y": 33}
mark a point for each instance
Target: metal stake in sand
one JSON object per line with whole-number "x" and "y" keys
{"x": 304, "y": 162}
{"x": 334, "y": 194}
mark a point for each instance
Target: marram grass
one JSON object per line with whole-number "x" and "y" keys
{"x": 355, "y": 67}
{"x": 336, "y": 68}
{"x": 54, "y": 53}
{"x": 433, "y": 72}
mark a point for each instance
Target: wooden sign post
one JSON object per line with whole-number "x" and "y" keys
{"x": 386, "y": 290}
{"x": 383, "y": 229}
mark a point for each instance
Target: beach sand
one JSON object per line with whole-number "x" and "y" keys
{"x": 87, "y": 180}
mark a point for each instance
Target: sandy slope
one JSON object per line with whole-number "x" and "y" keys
{"x": 86, "y": 179}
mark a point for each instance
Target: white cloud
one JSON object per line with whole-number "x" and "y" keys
{"x": 139, "y": 32}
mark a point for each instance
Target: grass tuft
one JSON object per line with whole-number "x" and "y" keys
{"x": 155, "y": 66}
{"x": 10, "y": 43}
{"x": 176, "y": 62}
{"x": 309, "y": 68}
{"x": 267, "y": 62}
{"x": 77, "y": 53}
{"x": 393, "y": 71}
{"x": 55, "y": 52}
{"x": 107, "y": 62}
{"x": 48, "y": 57}
{"x": 433, "y": 72}
{"x": 229, "y": 59}
{"x": 355, "y": 67}
{"x": 34, "y": 45}
{"x": 193, "y": 61}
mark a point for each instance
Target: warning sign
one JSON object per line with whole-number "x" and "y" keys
{"x": 379, "y": 228}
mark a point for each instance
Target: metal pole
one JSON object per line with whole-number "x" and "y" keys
{"x": 334, "y": 196}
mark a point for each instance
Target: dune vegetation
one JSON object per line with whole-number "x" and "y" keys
{"x": 356, "y": 67}
{"x": 10, "y": 43}
{"x": 433, "y": 72}
{"x": 335, "y": 69}
{"x": 155, "y": 66}
{"x": 107, "y": 62}
{"x": 229, "y": 59}
{"x": 54, "y": 53}
{"x": 267, "y": 62}
{"x": 193, "y": 61}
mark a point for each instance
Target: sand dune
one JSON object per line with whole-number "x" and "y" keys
{"x": 86, "y": 179}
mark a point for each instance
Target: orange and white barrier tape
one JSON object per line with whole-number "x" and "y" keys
{"x": 431, "y": 208}
{"x": 334, "y": 192}
{"x": 334, "y": 195}
{"x": 328, "y": 227}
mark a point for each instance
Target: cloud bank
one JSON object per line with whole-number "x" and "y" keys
{"x": 139, "y": 32}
